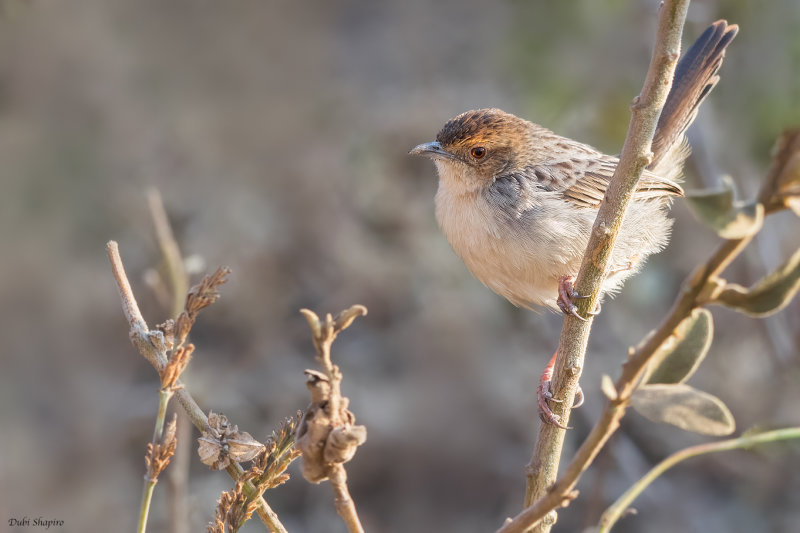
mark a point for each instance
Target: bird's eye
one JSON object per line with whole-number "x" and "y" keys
{"x": 478, "y": 152}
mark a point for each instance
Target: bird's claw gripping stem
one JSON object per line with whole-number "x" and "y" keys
{"x": 566, "y": 295}
{"x": 543, "y": 394}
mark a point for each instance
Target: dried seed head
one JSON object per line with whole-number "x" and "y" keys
{"x": 159, "y": 454}
{"x": 342, "y": 443}
{"x": 176, "y": 365}
{"x": 319, "y": 385}
{"x": 323, "y": 444}
{"x": 168, "y": 329}
{"x": 346, "y": 317}
{"x": 313, "y": 322}
{"x": 205, "y": 293}
{"x": 200, "y": 296}
{"x": 267, "y": 470}
{"x": 223, "y": 443}
{"x": 233, "y": 510}
{"x": 323, "y": 332}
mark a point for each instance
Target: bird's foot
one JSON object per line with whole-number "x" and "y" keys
{"x": 566, "y": 295}
{"x": 543, "y": 394}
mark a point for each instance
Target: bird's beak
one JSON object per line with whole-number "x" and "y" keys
{"x": 433, "y": 150}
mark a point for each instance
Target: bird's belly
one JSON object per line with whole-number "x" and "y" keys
{"x": 518, "y": 267}
{"x": 525, "y": 288}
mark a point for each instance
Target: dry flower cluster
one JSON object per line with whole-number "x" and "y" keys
{"x": 159, "y": 454}
{"x": 234, "y": 507}
{"x": 223, "y": 443}
{"x": 326, "y": 432}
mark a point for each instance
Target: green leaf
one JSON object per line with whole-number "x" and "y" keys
{"x": 684, "y": 407}
{"x": 730, "y": 219}
{"x": 767, "y": 296}
{"x": 679, "y": 356}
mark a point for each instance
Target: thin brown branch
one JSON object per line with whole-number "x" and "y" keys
{"x": 344, "y": 503}
{"x": 139, "y": 333}
{"x": 129, "y": 305}
{"x": 636, "y": 155}
{"x": 327, "y": 435}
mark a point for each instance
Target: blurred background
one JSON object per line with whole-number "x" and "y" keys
{"x": 277, "y": 133}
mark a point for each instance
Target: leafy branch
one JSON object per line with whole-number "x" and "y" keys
{"x": 671, "y": 353}
{"x": 653, "y": 377}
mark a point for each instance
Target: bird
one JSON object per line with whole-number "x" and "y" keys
{"x": 517, "y": 201}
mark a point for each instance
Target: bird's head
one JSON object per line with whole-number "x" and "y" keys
{"x": 481, "y": 144}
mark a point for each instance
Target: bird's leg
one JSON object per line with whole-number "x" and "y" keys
{"x": 567, "y": 293}
{"x": 543, "y": 393}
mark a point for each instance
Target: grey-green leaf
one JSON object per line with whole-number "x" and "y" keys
{"x": 684, "y": 407}
{"x": 730, "y": 219}
{"x": 680, "y": 355}
{"x": 608, "y": 388}
{"x": 769, "y": 295}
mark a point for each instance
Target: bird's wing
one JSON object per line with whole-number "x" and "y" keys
{"x": 584, "y": 180}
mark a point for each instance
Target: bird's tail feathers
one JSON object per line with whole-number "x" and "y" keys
{"x": 695, "y": 77}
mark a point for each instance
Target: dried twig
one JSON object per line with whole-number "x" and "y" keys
{"x": 327, "y": 436}
{"x": 153, "y": 346}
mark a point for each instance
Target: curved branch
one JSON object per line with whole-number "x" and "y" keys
{"x": 616, "y": 510}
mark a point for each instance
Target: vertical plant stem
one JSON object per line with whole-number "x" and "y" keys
{"x": 178, "y": 475}
{"x": 542, "y": 471}
{"x": 144, "y": 510}
{"x": 173, "y": 260}
{"x": 164, "y": 396}
{"x": 150, "y": 481}
{"x": 344, "y": 503}
{"x": 178, "y": 479}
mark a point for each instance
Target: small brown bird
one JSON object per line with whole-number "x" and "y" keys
{"x": 517, "y": 202}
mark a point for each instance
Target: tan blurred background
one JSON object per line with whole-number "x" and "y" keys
{"x": 277, "y": 132}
